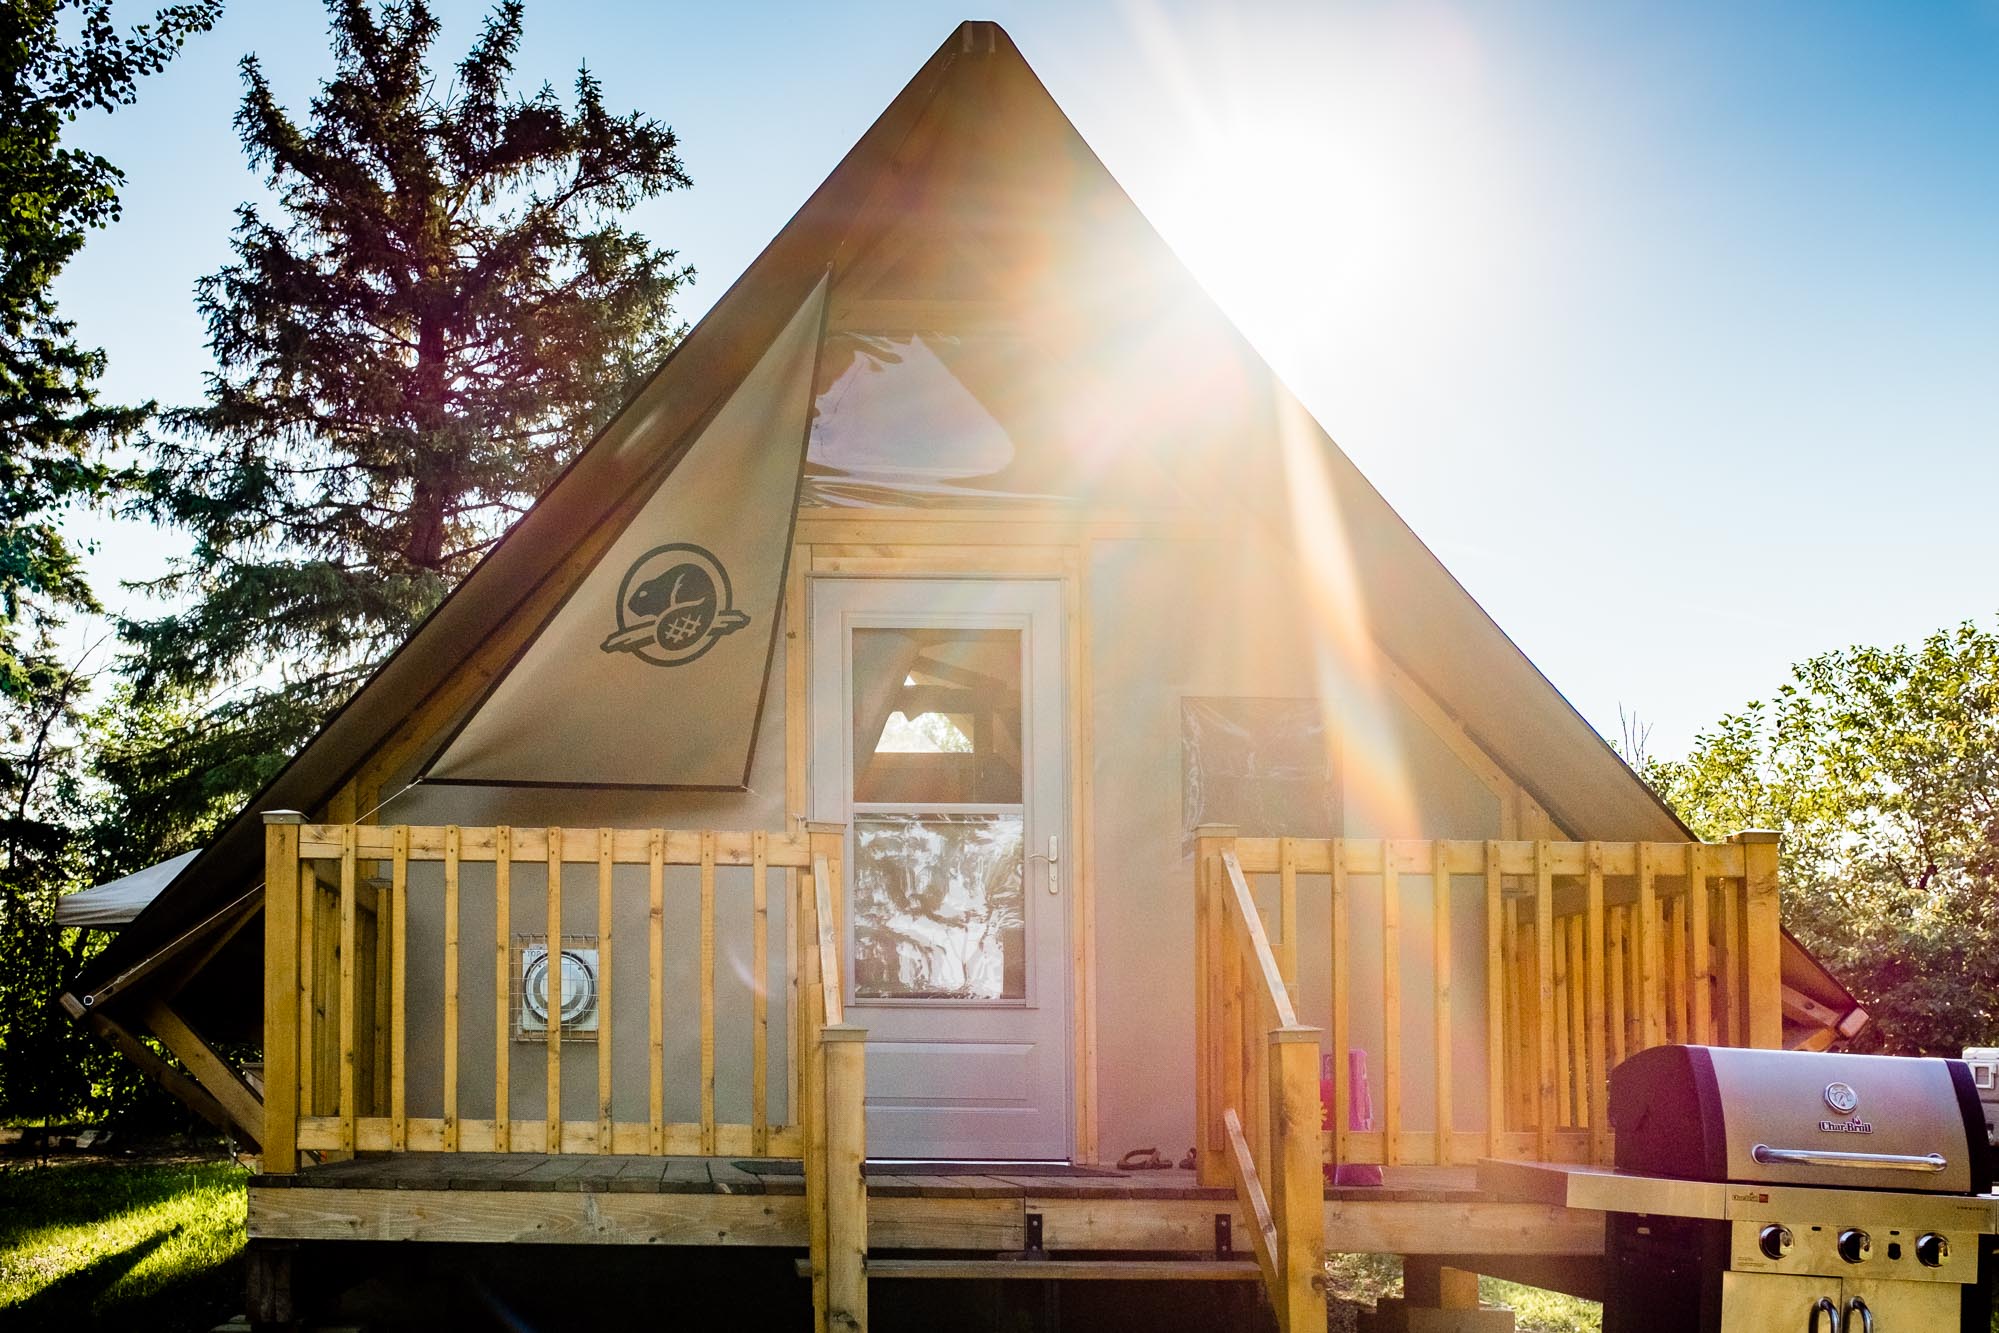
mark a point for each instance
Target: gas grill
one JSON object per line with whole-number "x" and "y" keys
{"x": 1850, "y": 1194}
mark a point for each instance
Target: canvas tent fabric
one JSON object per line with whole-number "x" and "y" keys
{"x": 117, "y": 902}
{"x": 975, "y": 107}
{"x": 652, "y": 672}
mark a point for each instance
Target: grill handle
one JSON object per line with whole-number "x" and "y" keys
{"x": 1764, "y": 1155}
{"x": 1830, "y": 1311}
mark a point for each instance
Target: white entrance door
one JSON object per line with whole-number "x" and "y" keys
{"x": 938, "y": 738}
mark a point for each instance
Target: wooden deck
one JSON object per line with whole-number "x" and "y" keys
{"x": 643, "y": 1200}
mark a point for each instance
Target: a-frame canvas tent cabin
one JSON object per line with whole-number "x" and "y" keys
{"x": 960, "y": 709}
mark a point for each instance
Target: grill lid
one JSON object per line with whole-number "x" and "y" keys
{"x": 1800, "y": 1118}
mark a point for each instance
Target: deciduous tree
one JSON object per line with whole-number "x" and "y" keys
{"x": 1881, "y": 767}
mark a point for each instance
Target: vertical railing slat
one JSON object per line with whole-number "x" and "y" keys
{"x": 552, "y": 973}
{"x": 399, "y": 1045}
{"x": 1391, "y": 1005}
{"x": 1566, "y": 985}
{"x": 308, "y": 991}
{"x": 1593, "y": 945}
{"x": 1578, "y": 1020}
{"x": 349, "y": 994}
{"x": 503, "y": 968}
{"x": 1341, "y": 977}
{"x": 759, "y": 995}
{"x": 1618, "y": 983}
{"x": 1495, "y": 1003}
{"x": 656, "y": 989}
{"x": 708, "y": 992}
{"x": 379, "y": 1092}
{"x": 1702, "y": 944}
{"x": 1544, "y": 1010}
{"x": 1735, "y": 1033}
{"x": 1440, "y": 879}
{"x": 1676, "y": 969}
{"x": 1519, "y": 1094}
{"x": 605, "y": 874}
{"x": 1287, "y": 914}
{"x": 451, "y": 852}
{"x": 1651, "y": 984}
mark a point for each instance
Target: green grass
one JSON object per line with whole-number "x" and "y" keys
{"x": 1369, "y": 1277}
{"x": 120, "y": 1245}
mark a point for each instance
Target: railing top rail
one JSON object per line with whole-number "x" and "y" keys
{"x": 1256, "y": 943}
{"x": 1467, "y": 856}
{"x": 629, "y": 846}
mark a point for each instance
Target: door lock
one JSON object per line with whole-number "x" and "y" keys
{"x": 1054, "y": 860}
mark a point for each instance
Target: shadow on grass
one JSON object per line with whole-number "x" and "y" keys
{"x": 176, "y": 1265}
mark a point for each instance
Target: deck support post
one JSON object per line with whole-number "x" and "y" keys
{"x": 844, "y": 1047}
{"x": 281, "y": 1000}
{"x": 1763, "y": 938}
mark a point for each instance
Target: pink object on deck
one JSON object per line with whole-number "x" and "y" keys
{"x": 1360, "y": 1115}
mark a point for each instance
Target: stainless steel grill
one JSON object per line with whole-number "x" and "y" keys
{"x": 1786, "y": 1190}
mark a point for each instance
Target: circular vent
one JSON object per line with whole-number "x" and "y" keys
{"x": 579, "y": 986}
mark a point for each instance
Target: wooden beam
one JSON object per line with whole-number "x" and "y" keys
{"x": 184, "y": 1089}
{"x": 238, "y": 1100}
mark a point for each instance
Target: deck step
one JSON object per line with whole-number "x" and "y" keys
{"x": 1043, "y": 1270}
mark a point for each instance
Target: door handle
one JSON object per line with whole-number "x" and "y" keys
{"x": 1856, "y": 1306}
{"x": 1830, "y": 1311}
{"x": 1054, "y": 860}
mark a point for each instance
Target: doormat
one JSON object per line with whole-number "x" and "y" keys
{"x": 770, "y": 1166}
{"x": 985, "y": 1169}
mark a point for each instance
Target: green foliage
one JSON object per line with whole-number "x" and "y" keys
{"x": 443, "y": 310}
{"x": 58, "y": 59}
{"x": 1881, "y": 768}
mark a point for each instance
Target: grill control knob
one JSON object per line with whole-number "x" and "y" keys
{"x": 1932, "y": 1250}
{"x": 1855, "y": 1245}
{"x": 1774, "y": 1240}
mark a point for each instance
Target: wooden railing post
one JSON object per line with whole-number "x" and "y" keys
{"x": 281, "y": 941}
{"x": 1762, "y": 944}
{"x": 1211, "y": 1016}
{"x": 834, "y": 1113}
{"x": 843, "y": 1047}
{"x": 1297, "y": 1183}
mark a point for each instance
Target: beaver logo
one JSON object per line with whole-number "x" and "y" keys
{"x": 673, "y": 605}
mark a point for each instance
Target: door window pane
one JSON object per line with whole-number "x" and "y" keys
{"x": 937, "y": 716}
{"x": 938, "y": 907}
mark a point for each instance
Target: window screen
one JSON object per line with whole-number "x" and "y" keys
{"x": 1265, "y": 765}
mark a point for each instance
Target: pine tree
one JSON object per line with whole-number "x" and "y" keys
{"x": 58, "y": 59}
{"x": 444, "y": 310}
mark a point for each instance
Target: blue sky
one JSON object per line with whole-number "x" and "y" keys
{"x": 1673, "y": 329}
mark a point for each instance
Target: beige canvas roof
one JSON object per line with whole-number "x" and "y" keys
{"x": 1039, "y": 184}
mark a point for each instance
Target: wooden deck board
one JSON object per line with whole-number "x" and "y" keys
{"x": 643, "y": 1200}
{"x": 642, "y": 1174}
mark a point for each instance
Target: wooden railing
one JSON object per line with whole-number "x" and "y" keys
{"x": 337, "y": 968}
{"x": 1587, "y": 952}
{"x": 1261, "y": 1071}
